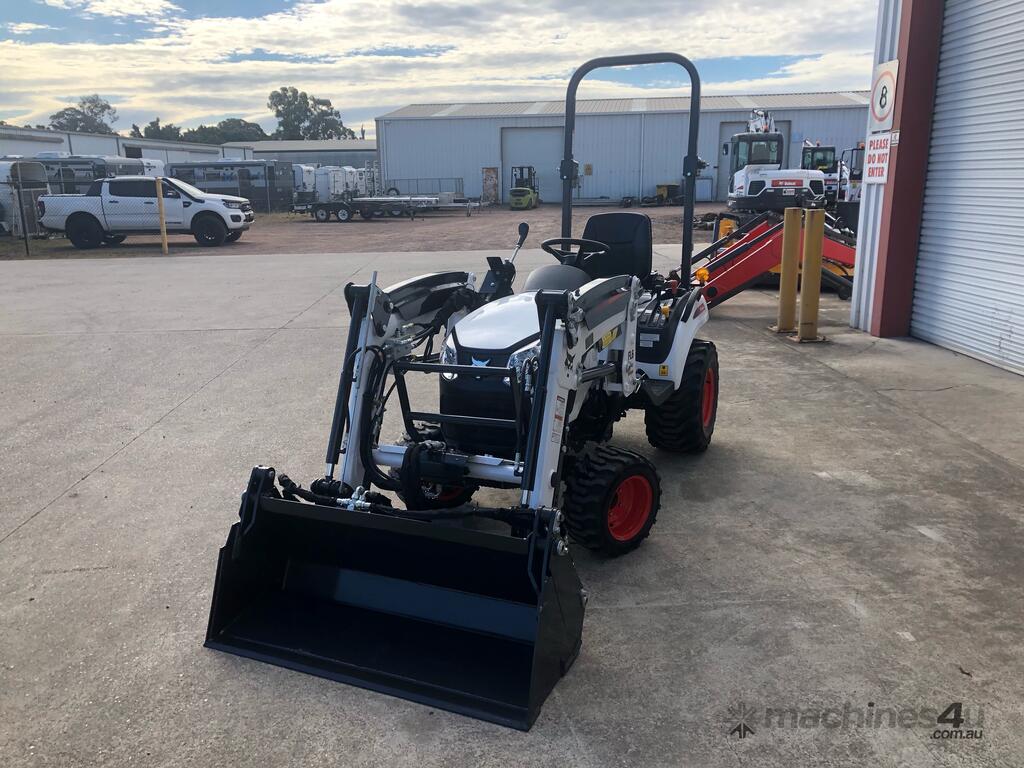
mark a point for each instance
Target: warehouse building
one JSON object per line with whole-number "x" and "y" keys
{"x": 625, "y": 147}
{"x": 28, "y": 142}
{"x": 939, "y": 256}
{"x": 354, "y": 152}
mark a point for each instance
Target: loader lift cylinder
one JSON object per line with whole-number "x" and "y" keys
{"x": 569, "y": 169}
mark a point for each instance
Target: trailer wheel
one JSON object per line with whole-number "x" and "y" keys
{"x": 321, "y": 215}
{"x": 366, "y": 213}
{"x": 84, "y": 232}
{"x": 393, "y": 192}
{"x": 343, "y": 214}
{"x": 685, "y": 422}
{"x": 395, "y": 213}
{"x": 611, "y": 499}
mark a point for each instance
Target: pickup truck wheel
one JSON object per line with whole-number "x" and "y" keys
{"x": 85, "y": 232}
{"x": 209, "y": 231}
{"x": 113, "y": 239}
{"x": 233, "y": 236}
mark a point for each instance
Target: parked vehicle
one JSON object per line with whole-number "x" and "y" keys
{"x": 757, "y": 181}
{"x": 818, "y": 157}
{"x": 23, "y": 180}
{"x": 267, "y": 183}
{"x": 74, "y": 174}
{"x": 304, "y": 186}
{"x": 112, "y": 209}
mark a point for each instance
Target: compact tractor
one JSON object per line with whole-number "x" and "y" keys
{"x": 384, "y": 573}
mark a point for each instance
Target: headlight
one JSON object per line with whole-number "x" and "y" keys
{"x": 232, "y": 204}
{"x": 521, "y": 358}
{"x": 448, "y": 356}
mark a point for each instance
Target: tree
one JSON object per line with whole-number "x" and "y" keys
{"x": 230, "y": 129}
{"x": 301, "y": 116}
{"x": 154, "y": 130}
{"x": 92, "y": 115}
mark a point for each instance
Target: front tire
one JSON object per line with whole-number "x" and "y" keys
{"x": 209, "y": 232}
{"x": 113, "y": 239}
{"x": 85, "y": 232}
{"x": 234, "y": 236}
{"x": 685, "y": 422}
{"x": 611, "y": 499}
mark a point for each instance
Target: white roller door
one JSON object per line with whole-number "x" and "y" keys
{"x": 969, "y": 289}
{"x": 539, "y": 147}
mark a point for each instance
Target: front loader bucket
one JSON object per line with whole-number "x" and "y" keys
{"x": 440, "y": 615}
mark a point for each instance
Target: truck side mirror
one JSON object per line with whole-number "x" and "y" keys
{"x": 725, "y": 150}
{"x": 524, "y": 230}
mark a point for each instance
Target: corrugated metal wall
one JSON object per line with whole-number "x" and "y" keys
{"x": 886, "y": 49}
{"x": 969, "y": 287}
{"x": 611, "y": 144}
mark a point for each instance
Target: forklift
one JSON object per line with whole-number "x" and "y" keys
{"x": 523, "y": 194}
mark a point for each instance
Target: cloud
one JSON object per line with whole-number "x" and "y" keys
{"x": 367, "y": 59}
{"x": 28, "y": 27}
{"x": 116, "y": 8}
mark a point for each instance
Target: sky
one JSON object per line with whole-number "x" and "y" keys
{"x": 199, "y": 61}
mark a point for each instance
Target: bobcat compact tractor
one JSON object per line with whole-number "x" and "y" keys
{"x": 483, "y": 617}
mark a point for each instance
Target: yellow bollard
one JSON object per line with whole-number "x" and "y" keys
{"x": 160, "y": 212}
{"x": 786, "y": 321}
{"x": 810, "y": 284}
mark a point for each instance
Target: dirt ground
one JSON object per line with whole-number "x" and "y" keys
{"x": 439, "y": 231}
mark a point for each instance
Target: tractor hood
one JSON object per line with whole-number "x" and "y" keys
{"x": 504, "y": 324}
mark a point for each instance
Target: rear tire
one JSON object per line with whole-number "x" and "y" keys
{"x": 85, "y": 232}
{"x": 234, "y": 236}
{"x": 343, "y": 214}
{"x": 611, "y": 499}
{"x": 685, "y": 422}
{"x": 209, "y": 231}
{"x": 321, "y": 215}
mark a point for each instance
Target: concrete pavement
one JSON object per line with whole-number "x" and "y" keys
{"x": 852, "y": 538}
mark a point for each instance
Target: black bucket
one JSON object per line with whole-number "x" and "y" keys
{"x": 458, "y": 619}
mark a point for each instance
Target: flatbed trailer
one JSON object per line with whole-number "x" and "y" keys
{"x": 394, "y": 206}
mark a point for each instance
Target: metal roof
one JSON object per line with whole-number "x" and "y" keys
{"x": 822, "y": 100}
{"x": 313, "y": 145}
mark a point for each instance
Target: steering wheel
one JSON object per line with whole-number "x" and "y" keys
{"x": 562, "y": 249}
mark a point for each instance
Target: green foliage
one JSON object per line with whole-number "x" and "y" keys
{"x": 154, "y": 130}
{"x": 302, "y": 116}
{"x": 92, "y": 115}
{"x": 231, "y": 129}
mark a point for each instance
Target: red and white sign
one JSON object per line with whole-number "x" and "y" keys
{"x": 787, "y": 183}
{"x": 883, "y": 96}
{"x": 876, "y": 158}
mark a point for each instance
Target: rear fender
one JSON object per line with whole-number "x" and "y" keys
{"x": 671, "y": 368}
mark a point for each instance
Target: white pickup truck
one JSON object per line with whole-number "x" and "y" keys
{"x": 120, "y": 206}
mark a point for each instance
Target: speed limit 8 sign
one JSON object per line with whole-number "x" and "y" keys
{"x": 883, "y": 96}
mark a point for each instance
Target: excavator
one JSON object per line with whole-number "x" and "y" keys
{"x": 757, "y": 181}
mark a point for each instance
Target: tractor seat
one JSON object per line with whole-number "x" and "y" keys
{"x": 556, "y": 277}
{"x": 630, "y": 244}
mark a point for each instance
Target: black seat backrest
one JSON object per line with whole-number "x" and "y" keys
{"x": 630, "y": 244}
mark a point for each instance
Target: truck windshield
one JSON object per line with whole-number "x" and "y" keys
{"x": 185, "y": 187}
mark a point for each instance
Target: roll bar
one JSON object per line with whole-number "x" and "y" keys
{"x": 569, "y": 169}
